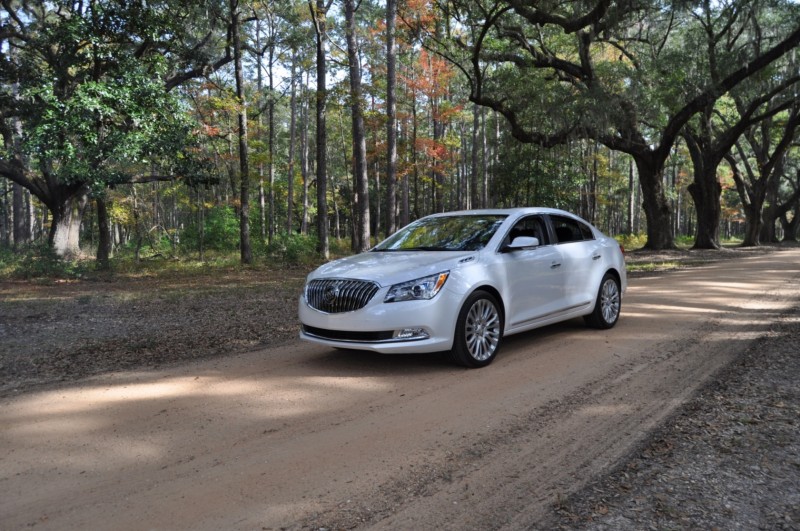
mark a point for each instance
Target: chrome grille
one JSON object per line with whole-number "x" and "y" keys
{"x": 339, "y": 295}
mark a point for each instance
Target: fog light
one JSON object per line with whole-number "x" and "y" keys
{"x": 411, "y": 333}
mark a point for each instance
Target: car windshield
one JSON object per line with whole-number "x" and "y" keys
{"x": 444, "y": 233}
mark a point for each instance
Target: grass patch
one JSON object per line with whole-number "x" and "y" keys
{"x": 651, "y": 267}
{"x": 41, "y": 262}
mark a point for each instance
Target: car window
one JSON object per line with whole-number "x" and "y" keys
{"x": 570, "y": 230}
{"x": 444, "y": 233}
{"x": 532, "y": 226}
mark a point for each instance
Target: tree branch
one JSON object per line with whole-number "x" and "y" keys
{"x": 569, "y": 25}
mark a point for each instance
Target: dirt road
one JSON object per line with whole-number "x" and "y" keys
{"x": 305, "y": 437}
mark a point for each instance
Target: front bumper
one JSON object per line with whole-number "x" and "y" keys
{"x": 389, "y": 328}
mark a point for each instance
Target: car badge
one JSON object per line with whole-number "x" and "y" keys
{"x": 331, "y": 293}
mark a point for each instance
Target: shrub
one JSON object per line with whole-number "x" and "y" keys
{"x": 632, "y": 242}
{"x": 220, "y": 231}
{"x": 294, "y": 249}
{"x": 684, "y": 241}
{"x": 41, "y": 261}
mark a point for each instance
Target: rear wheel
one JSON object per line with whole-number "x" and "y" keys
{"x": 608, "y": 304}
{"x": 479, "y": 331}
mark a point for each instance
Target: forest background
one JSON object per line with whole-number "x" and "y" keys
{"x": 289, "y": 130}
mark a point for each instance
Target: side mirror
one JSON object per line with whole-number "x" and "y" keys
{"x": 522, "y": 242}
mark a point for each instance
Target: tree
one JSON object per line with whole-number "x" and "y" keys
{"x": 362, "y": 239}
{"x": 718, "y": 126}
{"x": 319, "y": 12}
{"x": 391, "y": 117}
{"x": 790, "y": 212}
{"x": 761, "y": 178}
{"x": 573, "y": 71}
{"x": 244, "y": 161}
{"x": 94, "y": 99}
{"x": 267, "y": 16}
{"x": 292, "y": 141}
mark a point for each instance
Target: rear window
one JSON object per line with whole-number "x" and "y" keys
{"x": 570, "y": 230}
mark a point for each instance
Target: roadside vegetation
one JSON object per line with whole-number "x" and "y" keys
{"x": 297, "y": 252}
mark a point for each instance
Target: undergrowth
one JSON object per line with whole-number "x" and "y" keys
{"x": 161, "y": 258}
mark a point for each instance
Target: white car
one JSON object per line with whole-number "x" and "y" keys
{"x": 461, "y": 281}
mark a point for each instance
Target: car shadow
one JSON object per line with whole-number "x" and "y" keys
{"x": 333, "y": 361}
{"x": 362, "y": 362}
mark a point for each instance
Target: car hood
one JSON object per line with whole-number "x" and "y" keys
{"x": 387, "y": 268}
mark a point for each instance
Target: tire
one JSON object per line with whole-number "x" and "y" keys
{"x": 608, "y": 304}
{"x": 479, "y": 331}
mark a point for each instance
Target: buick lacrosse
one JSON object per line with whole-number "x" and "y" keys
{"x": 460, "y": 281}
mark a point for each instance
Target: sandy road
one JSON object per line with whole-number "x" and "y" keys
{"x": 303, "y": 436}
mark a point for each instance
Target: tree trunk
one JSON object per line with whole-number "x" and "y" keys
{"x": 271, "y": 144}
{"x": 244, "y": 164}
{"x": 375, "y": 217}
{"x": 484, "y": 163}
{"x": 304, "y": 170}
{"x": 18, "y": 215}
{"x": 475, "y": 194}
{"x": 262, "y": 200}
{"x": 414, "y": 161}
{"x": 791, "y": 229}
{"x": 437, "y": 178}
{"x": 318, "y": 14}
{"x": 753, "y": 202}
{"x": 5, "y": 218}
{"x": 632, "y": 206}
{"x": 66, "y": 225}
{"x": 405, "y": 199}
{"x": 292, "y": 134}
{"x": 359, "y": 137}
{"x": 391, "y": 118}
{"x": 771, "y": 213}
{"x": 769, "y": 217}
{"x": 262, "y": 211}
{"x": 656, "y": 207}
{"x": 104, "y": 240}
{"x": 752, "y": 226}
{"x": 706, "y": 192}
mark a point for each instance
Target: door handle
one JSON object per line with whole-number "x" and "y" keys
{"x": 596, "y": 257}
{"x": 555, "y": 265}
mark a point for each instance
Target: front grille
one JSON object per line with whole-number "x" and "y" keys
{"x": 338, "y": 295}
{"x": 342, "y": 335}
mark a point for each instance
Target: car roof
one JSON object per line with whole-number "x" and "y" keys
{"x": 506, "y": 211}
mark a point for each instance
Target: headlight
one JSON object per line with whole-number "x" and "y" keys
{"x": 417, "y": 290}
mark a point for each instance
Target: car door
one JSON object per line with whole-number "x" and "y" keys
{"x": 580, "y": 256}
{"x": 533, "y": 276}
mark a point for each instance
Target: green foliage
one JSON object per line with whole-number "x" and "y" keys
{"x": 220, "y": 231}
{"x": 684, "y": 241}
{"x": 531, "y": 176}
{"x": 631, "y": 242}
{"x": 649, "y": 267}
{"x": 39, "y": 262}
{"x": 293, "y": 249}
{"x": 105, "y": 132}
{"x": 162, "y": 245}
{"x": 88, "y": 87}
{"x": 339, "y": 248}
{"x": 7, "y": 262}
{"x": 127, "y": 265}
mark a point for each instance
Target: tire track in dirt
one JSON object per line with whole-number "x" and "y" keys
{"x": 302, "y": 436}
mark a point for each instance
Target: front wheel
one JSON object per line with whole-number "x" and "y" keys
{"x": 479, "y": 331}
{"x": 608, "y": 304}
